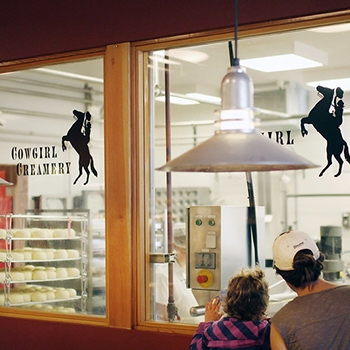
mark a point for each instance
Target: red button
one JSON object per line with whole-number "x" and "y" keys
{"x": 202, "y": 279}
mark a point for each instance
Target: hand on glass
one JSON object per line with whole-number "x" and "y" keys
{"x": 212, "y": 310}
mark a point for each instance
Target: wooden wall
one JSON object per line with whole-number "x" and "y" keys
{"x": 34, "y": 28}
{"x": 41, "y": 27}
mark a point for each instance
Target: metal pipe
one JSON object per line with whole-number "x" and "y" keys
{"x": 252, "y": 226}
{"x": 171, "y": 308}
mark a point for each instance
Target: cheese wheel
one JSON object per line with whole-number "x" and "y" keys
{"x": 72, "y": 292}
{"x": 73, "y": 272}
{"x": 61, "y": 272}
{"x": 50, "y": 295}
{"x": 39, "y": 274}
{"x": 58, "y": 308}
{"x": 2, "y": 299}
{"x": 39, "y": 233}
{"x": 73, "y": 253}
{"x": 27, "y": 255}
{"x": 51, "y": 273}
{"x": 61, "y": 254}
{"x": 50, "y": 254}
{"x": 38, "y": 296}
{"x": 2, "y": 277}
{"x": 39, "y": 255}
{"x": 29, "y": 267}
{"x": 70, "y": 233}
{"x": 27, "y": 274}
{"x": 16, "y": 298}
{"x": 47, "y": 307}
{"x": 24, "y": 233}
{"x": 59, "y": 233}
{"x": 2, "y": 256}
{"x": 17, "y": 256}
{"x": 62, "y": 294}
{"x": 26, "y": 297}
{"x": 2, "y": 233}
{"x": 69, "y": 310}
{"x": 17, "y": 276}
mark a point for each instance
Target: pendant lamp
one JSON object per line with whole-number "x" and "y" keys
{"x": 237, "y": 146}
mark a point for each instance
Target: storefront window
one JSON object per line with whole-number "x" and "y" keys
{"x": 185, "y": 88}
{"x": 52, "y": 242}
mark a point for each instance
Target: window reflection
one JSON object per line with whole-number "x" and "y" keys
{"x": 52, "y": 150}
{"x": 291, "y": 199}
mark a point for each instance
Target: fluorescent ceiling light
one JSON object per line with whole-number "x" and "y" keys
{"x": 205, "y": 98}
{"x": 178, "y": 100}
{"x": 161, "y": 59}
{"x": 344, "y": 83}
{"x": 70, "y": 75}
{"x": 338, "y": 28}
{"x": 191, "y": 56}
{"x": 279, "y": 63}
{"x": 286, "y": 57}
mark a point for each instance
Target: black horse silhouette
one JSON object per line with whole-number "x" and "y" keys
{"x": 327, "y": 124}
{"x": 79, "y": 137}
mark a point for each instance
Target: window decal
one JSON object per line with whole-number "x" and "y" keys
{"x": 79, "y": 137}
{"x": 327, "y": 123}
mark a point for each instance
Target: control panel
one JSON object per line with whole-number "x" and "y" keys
{"x": 219, "y": 244}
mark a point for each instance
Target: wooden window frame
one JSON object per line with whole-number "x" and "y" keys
{"x": 141, "y": 128}
{"x": 117, "y": 183}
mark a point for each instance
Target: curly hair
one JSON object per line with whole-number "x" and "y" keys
{"x": 247, "y": 295}
{"x": 306, "y": 269}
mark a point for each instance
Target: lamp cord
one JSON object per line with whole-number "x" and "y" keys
{"x": 234, "y": 60}
{"x": 252, "y": 224}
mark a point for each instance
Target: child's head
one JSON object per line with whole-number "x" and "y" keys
{"x": 247, "y": 295}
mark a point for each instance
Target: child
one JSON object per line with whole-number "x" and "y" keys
{"x": 244, "y": 324}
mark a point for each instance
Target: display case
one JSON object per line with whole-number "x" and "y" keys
{"x": 45, "y": 262}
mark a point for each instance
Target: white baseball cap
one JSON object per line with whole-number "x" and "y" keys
{"x": 288, "y": 244}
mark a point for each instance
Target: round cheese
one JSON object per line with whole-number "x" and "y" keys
{"x": 38, "y": 296}
{"x": 62, "y": 294}
{"x": 61, "y": 254}
{"x": 39, "y": 274}
{"x": 61, "y": 272}
{"x": 73, "y": 272}
{"x": 73, "y": 253}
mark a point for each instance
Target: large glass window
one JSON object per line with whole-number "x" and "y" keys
{"x": 52, "y": 243}
{"x": 185, "y": 93}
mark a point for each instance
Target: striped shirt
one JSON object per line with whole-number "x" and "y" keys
{"x": 232, "y": 333}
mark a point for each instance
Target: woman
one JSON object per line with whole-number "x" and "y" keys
{"x": 244, "y": 325}
{"x": 319, "y": 317}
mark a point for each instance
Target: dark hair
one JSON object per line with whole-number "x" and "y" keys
{"x": 306, "y": 269}
{"x": 247, "y": 295}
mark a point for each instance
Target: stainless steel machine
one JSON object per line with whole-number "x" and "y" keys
{"x": 219, "y": 246}
{"x": 331, "y": 247}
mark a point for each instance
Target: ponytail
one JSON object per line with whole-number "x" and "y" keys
{"x": 306, "y": 269}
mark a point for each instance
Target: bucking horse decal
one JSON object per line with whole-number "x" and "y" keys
{"x": 327, "y": 124}
{"x": 79, "y": 137}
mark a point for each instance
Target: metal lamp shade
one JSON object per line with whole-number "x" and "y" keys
{"x": 237, "y": 146}
{"x": 237, "y": 151}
